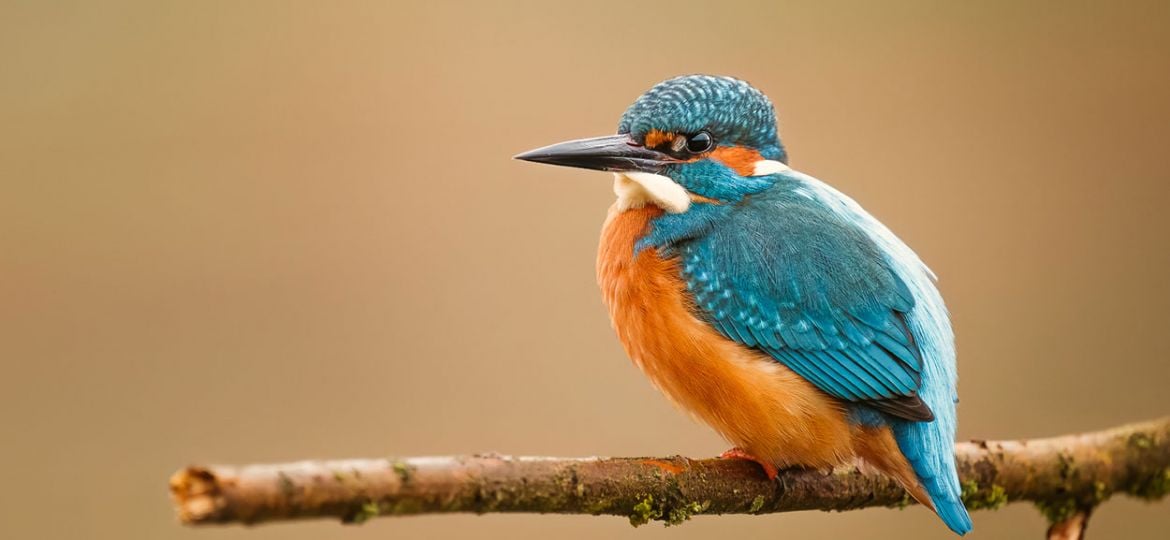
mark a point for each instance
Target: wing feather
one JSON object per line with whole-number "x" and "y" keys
{"x": 787, "y": 275}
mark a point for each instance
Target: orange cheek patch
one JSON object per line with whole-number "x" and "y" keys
{"x": 740, "y": 159}
{"x": 656, "y": 138}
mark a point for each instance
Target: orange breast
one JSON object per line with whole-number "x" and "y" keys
{"x": 753, "y": 401}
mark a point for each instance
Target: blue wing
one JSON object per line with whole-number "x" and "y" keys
{"x": 785, "y": 274}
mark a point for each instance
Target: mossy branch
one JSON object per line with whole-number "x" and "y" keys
{"x": 1065, "y": 477}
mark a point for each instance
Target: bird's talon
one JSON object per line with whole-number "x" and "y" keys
{"x": 740, "y": 453}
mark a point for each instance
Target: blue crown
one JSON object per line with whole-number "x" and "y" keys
{"x": 735, "y": 113}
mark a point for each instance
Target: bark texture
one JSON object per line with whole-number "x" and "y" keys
{"x": 1065, "y": 477}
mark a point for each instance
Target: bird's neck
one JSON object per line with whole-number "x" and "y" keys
{"x": 666, "y": 231}
{"x": 624, "y": 228}
{"x": 629, "y": 231}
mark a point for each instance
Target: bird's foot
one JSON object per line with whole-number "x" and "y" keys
{"x": 864, "y": 467}
{"x": 740, "y": 453}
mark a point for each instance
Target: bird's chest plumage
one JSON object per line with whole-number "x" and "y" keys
{"x": 753, "y": 401}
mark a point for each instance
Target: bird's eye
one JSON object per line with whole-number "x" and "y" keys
{"x": 700, "y": 142}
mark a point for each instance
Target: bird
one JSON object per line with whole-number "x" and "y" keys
{"x": 766, "y": 303}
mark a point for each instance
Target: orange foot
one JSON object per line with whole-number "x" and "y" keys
{"x": 740, "y": 453}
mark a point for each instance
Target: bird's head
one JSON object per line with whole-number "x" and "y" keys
{"x": 687, "y": 139}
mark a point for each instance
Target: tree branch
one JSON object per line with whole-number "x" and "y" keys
{"x": 1066, "y": 477}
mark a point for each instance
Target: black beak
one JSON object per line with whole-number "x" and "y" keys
{"x": 617, "y": 153}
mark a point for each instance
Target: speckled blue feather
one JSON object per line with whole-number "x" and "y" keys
{"x": 786, "y": 274}
{"x": 732, "y": 110}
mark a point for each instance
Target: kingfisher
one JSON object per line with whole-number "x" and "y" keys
{"x": 766, "y": 303}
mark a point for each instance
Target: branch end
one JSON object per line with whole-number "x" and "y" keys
{"x": 198, "y": 495}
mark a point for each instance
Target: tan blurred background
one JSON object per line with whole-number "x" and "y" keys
{"x": 242, "y": 232}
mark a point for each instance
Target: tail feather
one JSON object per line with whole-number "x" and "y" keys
{"x": 876, "y": 447}
{"x": 930, "y": 450}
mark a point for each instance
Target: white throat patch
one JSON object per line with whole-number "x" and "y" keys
{"x": 636, "y": 189}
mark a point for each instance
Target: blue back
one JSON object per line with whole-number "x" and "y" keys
{"x": 800, "y": 271}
